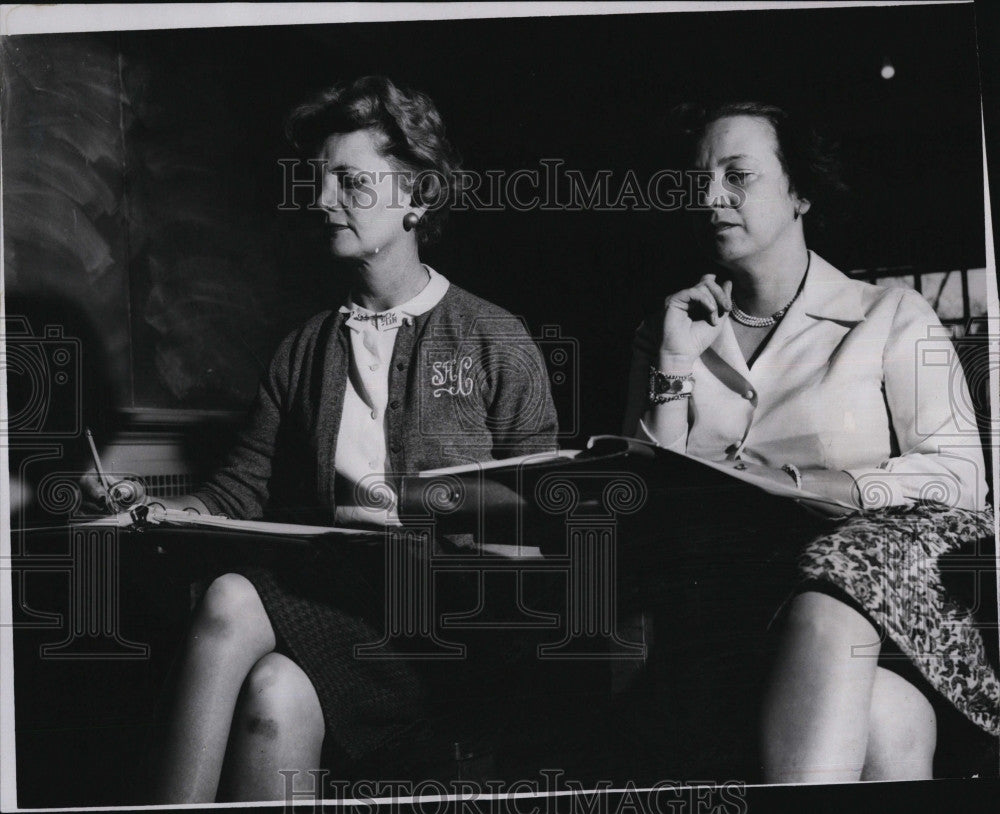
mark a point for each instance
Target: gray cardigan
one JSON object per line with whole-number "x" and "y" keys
{"x": 466, "y": 383}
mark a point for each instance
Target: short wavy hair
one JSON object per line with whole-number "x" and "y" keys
{"x": 411, "y": 136}
{"x": 810, "y": 159}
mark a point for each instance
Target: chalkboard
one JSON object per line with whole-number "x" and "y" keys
{"x": 126, "y": 191}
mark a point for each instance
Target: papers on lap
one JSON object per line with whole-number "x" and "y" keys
{"x": 498, "y": 493}
{"x": 825, "y": 505}
{"x": 520, "y": 460}
{"x": 181, "y": 519}
{"x": 617, "y": 453}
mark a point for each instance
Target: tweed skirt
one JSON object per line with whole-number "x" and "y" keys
{"x": 412, "y": 707}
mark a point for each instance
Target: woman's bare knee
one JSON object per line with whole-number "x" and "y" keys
{"x": 902, "y": 731}
{"x": 278, "y": 727}
{"x": 232, "y": 613}
{"x": 815, "y": 713}
{"x": 826, "y": 618}
{"x": 280, "y": 701}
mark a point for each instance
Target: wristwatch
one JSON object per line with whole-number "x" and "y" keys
{"x": 664, "y": 387}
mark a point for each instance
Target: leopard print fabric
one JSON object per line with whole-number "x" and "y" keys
{"x": 902, "y": 565}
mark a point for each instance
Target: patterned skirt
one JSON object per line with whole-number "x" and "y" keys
{"x": 718, "y": 578}
{"x": 923, "y": 576}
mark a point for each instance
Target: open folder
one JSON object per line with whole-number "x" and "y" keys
{"x": 183, "y": 522}
{"x": 498, "y": 501}
{"x": 464, "y": 498}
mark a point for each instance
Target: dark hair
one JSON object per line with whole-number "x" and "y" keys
{"x": 809, "y": 158}
{"x": 411, "y": 136}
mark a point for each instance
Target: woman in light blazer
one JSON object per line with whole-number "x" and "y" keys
{"x": 784, "y": 367}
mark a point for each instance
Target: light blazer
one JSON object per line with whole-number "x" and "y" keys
{"x": 856, "y": 377}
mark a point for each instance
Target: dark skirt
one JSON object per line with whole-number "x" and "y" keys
{"x": 410, "y": 706}
{"x": 320, "y": 611}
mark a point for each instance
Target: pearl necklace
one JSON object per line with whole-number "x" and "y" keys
{"x": 750, "y": 321}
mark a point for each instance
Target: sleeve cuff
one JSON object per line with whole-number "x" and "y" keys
{"x": 643, "y": 434}
{"x": 206, "y": 497}
{"x": 948, "y": 480}
{"x": 877, "y": 488}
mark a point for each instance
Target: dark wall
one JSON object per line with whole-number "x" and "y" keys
{"x": 141, "y": 186}
{"x": 206, "y": 274}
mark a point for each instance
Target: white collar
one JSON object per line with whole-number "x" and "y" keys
{"x": 430, "y": 295}
{"x": 830, "y": 294}
{"x": 827, "y": 294}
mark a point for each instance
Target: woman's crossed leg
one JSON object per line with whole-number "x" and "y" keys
{"x": 833, "y": 716}
{"x": 278, "y": 723}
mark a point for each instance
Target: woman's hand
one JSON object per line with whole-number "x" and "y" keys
{"x": 692, "y": 318}
{"x": 779, "y": 476}
{"x": 95, "y": 498}
{"x": 831, "y": 483}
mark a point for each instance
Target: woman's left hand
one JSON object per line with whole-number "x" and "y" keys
{"x": 761, "y": 471}
{"x": 832, "y": 483}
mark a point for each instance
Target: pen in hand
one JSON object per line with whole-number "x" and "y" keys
{"x": 100, "y": 469}
{"x": 124, "y": 493}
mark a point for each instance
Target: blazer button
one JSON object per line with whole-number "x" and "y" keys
{"x": 400, "y": 365}
{"x": 394, "y": 404}
{"x": 396, "y": 446}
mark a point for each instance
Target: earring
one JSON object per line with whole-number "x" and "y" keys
{"x": 410, "y": 221}
{"x": 796, "y": 215}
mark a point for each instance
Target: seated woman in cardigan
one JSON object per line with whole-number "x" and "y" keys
{"x": 407, "y": 375}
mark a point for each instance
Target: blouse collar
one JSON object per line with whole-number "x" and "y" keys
{"x": 359, "y": 317}
{"x": 831, "y": 294}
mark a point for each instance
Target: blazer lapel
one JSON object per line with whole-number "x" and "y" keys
{"x": 725, "y": 360}
{"x": 828, "y": 294}
{"x": 831, "y": 294}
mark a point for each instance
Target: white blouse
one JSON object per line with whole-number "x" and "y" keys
{"x": 855, "y": 377}
{"x": 361, "y": 457}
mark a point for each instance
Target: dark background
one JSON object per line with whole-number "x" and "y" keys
{"x": 201, "y": 274}
{"x": 192, "y": 216}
